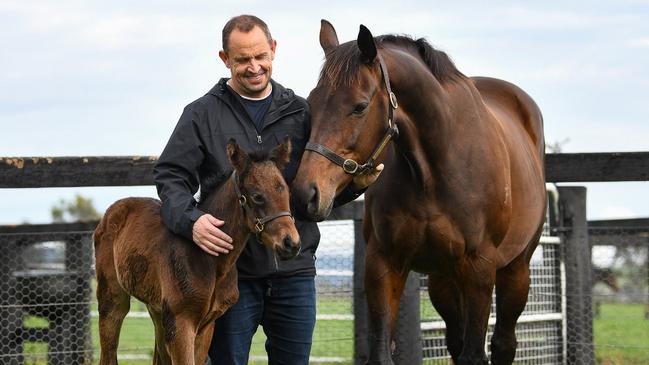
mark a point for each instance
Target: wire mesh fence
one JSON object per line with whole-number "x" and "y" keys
{"x": 620, "y": 291}
{"x": 45, "y": 298}
{"x": 540, "y": 328}
{"x": 48, "y": 307}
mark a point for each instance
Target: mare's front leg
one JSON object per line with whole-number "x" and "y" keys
{"x": 384, "y": 285}
{"x": 445, "y": 295}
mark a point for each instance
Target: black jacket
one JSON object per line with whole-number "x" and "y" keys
{"x": 196, "y": 151}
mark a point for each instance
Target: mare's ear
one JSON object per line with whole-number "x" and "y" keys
{"x": 328, "y": 37}
{"x": 281, "y": 154}
{"x": 237, "y": 156}
{"x": 366, "y": 44}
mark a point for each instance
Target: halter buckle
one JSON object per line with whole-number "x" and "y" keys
{"x": 350, "y": 166}
{"x": 259, "y": 226}
{"x": 393, "y": 100}
{"x": 242, "y": 200}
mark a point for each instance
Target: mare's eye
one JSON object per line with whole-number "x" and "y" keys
{"x": 257, "y": 198}
{"x": 360, "y": 108}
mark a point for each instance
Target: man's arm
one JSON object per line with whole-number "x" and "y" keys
{"x": 176, "y": 179}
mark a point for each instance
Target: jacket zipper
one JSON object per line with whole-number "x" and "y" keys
{"x": 259, "y": 140}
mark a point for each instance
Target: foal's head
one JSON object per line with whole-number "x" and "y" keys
{"x": 264, "y": 196}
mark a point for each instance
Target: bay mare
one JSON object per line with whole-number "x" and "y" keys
{"x": 462, "y": 196}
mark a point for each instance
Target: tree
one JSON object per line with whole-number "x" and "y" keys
{"x": 556, "y": 147}
{"x": 80, "y": 209}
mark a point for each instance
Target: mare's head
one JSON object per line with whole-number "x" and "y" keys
{"x": 264, "y": 196}
{"x": 350, "y": 108}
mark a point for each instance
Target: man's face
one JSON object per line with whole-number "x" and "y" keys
{"x": 250, "y": 60}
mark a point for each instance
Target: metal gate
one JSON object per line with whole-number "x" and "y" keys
{"x": 540, "y": 330}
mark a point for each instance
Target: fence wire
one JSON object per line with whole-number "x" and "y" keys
{"x": 540, "y": 328}
{"x": 48, "y": 306}
{"x": 620, "y": 294}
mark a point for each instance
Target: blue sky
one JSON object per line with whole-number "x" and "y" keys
{"x": 111, "y": 78}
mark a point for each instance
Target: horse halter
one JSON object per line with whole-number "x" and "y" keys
{"x": 351, "y": 166}
{"x": 243, "y": 201}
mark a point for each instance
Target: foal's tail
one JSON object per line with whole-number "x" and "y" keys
{"x": 110, "y": 224}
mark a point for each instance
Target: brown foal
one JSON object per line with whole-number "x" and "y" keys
{"x": 185, "y": 289}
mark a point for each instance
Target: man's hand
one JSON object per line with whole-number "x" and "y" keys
{"x": 365, "y": 180}
{"x": 209, "y": 237}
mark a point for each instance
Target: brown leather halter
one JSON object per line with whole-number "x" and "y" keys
{"x": 351, "y": 166}
{"x": 243, "y": 201}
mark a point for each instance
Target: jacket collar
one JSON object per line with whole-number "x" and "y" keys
{"x": 280, "y": 105}
{"x": 281, "y": 95}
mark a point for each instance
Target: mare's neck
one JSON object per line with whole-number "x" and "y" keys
{"x": 224, "y": 205}
{"x": 430, "y": 117}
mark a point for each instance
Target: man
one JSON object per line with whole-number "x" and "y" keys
{"x": 258, "y": 112}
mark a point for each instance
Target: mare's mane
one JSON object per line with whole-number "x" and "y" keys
{"x": 342, "y": 64}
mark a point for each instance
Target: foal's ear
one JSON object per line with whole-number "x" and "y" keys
{"x": 366, "y": 44}
{"x": 281, "y": 154}
{"x": 328, "y": 37}
{"x": 237, "y": 156}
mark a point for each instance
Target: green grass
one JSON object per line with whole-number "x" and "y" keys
{"x": 621, "y": 335}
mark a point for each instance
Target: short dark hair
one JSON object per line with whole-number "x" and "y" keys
{"x": 244, "y": 23}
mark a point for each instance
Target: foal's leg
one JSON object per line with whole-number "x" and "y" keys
{"x": 477, "y": 278}
{"x": 383, "y": 285}
{"x": 114, "y": 304}
{"x": 512, "y": 286}
{"x": 446, "y": 297}
{"x": 202, "y": 344}
{"x": 160, "y": 355}
{"x": 180, "y": 336}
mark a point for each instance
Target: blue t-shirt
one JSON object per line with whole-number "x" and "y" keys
{"x": 257, "y": 109}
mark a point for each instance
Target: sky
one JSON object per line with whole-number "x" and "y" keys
{"x": 93, "y": 78}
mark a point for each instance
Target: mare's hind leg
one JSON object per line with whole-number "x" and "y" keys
{"x": 512, "y": 286}
{"x": 384, "y": 285}
{"x": 114, "y": 304}
{"x": 446, "y": 297}
{"x": 477, "y": 276}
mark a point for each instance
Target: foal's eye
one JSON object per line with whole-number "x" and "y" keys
{"x": 257, "y": 198}
{"x": 359, "y": 108}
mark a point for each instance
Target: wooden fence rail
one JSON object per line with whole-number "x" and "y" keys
{"x": 47, "y": 172}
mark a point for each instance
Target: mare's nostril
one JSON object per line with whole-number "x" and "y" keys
{"x": 288, "y": 242}
{"x": 314, "y": 199}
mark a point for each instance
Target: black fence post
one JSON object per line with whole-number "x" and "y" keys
{"x": 361, "y": 346}
{"x": 577, "y": 256}
{"x": 11, "y": 314}
{"x": 408, "y": 350}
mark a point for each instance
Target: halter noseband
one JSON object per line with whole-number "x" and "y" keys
{"x": 243, "y": 201}
{"x": 349, "y": 165}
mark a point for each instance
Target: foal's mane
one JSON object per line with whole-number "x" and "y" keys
{"x": 342, "y": 65}
{"x": 213, "y": 183}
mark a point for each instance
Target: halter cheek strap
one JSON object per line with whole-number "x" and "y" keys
{"x": 260, "y": 223}
{"x": 350, "y": 166}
